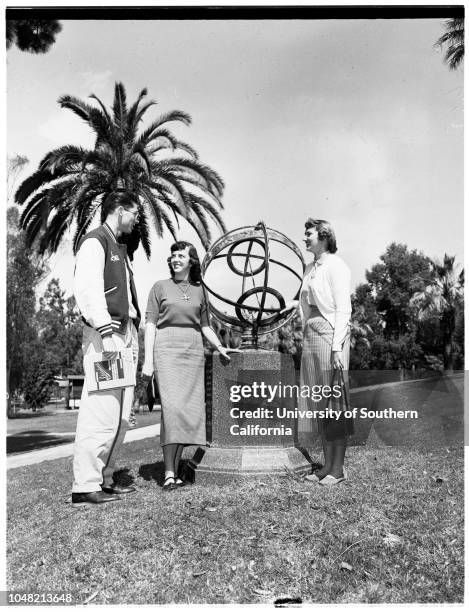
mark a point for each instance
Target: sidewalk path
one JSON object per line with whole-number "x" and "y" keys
{"x": 66, "y": 450}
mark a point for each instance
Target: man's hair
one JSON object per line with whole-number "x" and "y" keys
{"x": 325, "y": 232}
{"x": 194, "y": 270}
{"x": 116, "y": 198}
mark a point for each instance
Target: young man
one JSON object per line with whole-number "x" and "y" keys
{"x": 105, "y": 293}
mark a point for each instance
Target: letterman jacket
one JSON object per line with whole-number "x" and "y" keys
{"x": 101, "y": 288}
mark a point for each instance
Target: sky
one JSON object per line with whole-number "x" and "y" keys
{"x": 356, "y": 121}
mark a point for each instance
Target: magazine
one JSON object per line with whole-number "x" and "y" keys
{"x": 102, "y": 374}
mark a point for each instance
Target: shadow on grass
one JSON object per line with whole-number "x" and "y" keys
{"x": 34, "y": 440}
{"x": 123, "y": 477}
{"x": 152, "y": 472}
{"x": 155, "y": 472}
{"x": 29, "y": 414}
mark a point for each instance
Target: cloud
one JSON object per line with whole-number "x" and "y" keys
{"x": 96, "y": 82}
{"x": 64, "y": 127}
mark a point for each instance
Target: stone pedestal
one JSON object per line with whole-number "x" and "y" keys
{"x": 249, "y": 436}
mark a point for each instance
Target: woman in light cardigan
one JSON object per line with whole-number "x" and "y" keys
{"x": 325, "y": 309}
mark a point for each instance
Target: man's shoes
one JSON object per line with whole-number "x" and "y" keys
{"x": 94, "y": 497}
{"x": 118, "y": 489}
{"x": 312, "y": 478}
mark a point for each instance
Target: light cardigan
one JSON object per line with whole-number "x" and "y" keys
{"x": 327, "y": 282}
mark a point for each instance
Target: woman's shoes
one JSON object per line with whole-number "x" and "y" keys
{"x": 330, "y": 481}
{"x": 179, "y": 483}
{"x": 312, "y": 478}
{"x": 169, "y": 484}
{"x": 327, "y": 480}
{"x": 173, "y": 482}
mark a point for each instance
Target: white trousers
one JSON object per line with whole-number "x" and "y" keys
{"x": 102, "y": 420}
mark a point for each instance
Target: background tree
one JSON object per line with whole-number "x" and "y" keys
{"x": 46, "y": 343}
{"x": 15, "y": 165}
{"x": 454, "y": 39}
{"x": 162, "y": 171}
{"x": 392, "y": 283}
{"x": 398, "y": 339}
{"x": 443, "y": 299}
{"x": 290, "y": 339}
{"x": 228, "y": 337}
{"x": 60, "y": 330}
{"x": 38, "y": 377}
{"x": 32, "y": 35}
{"x": 359, "y": 328}
{"x": 140, "y": 394}
{"x": 24, "y": 272}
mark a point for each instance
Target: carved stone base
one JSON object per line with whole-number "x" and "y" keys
{"x": 231, "y": 453}
{"x": 225, "y": 464}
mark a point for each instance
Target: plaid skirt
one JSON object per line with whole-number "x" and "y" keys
{"x": 316, "y": 369}
{"x": 179, "y": 369}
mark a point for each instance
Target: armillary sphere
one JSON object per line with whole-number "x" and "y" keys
{"x": 254, "y": 264}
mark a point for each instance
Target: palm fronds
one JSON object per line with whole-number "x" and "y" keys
{"x": 163, "y": 171}
{"x": 454, "y": 39}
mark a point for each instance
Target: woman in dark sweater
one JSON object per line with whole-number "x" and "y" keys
{"x": 176, "y": 318}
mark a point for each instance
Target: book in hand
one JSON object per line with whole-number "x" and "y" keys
{"x": 102, "y": 374}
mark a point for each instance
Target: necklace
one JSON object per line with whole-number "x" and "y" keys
{"x": 184, "y": 289}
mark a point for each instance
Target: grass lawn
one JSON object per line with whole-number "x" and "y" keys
{"x": 392, "y": 533}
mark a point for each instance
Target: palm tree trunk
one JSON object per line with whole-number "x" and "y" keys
{"x": 448, "y": 357}
{"x": 449, "y": 325}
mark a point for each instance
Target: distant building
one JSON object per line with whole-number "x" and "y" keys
{"x": 74, "y": 389}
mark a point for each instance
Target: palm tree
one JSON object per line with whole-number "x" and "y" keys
{"x": 32, "y": 35}
{"x": 454, "y": 38}
{"x": 443, "y": 298}
{"x": 163, "y": 172}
